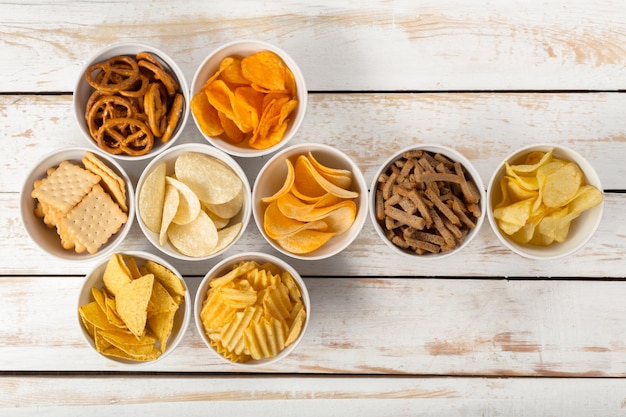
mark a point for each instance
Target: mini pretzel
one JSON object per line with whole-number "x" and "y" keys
{"x": 160, "y": 74}
{"x": 114, "y": 75}
{"x": 155, "y": 106}
{"x": 125, "y": 135}
{"x": 107, "y": 107}
{"x": 173, "y": 117}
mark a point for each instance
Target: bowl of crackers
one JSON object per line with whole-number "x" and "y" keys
{"x": 133, "y": 308}
{"x": 193, "y": 202}
{"x": 77, "y": 204}
{"x": 545, "y": 201}
{"x": 248, "y": 98}
{"x": 252, "y": 309}
{"x": 131, "y": 101}
{"x": 310, "y": 201}
{"x": 427, "y": 201}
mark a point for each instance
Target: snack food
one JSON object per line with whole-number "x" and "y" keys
{"x": 314, "y": 204}
{"x": 248, "y": 101}
{"x": 86, "y": 204}
{"x": 132, "y": 312}
{"x": 426, "y": 203}
{"x": 252, "y": 312}
{"x": 541, "y": 196}
{"x": 136, "y": 100}
{"x": 193, "y": 205}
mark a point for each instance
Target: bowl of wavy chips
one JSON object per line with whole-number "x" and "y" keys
{"x": 77, "y": 204}
{"x": 427, "y": 201}
{"x": 193, "y": 202}
{"x": 310, "y": 201}
{"x": 248, "y": 98}
{"x": 131, "y": 101}
{"x": 252, "y": 309}
{"x": 134, "y": 308}
{"x": 545, "y": 201}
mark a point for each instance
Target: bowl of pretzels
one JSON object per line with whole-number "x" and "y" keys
{"x": 427, "y": 201}
{"x": 131, "y": 101}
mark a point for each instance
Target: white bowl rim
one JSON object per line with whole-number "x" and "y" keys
{"x": 450, "y": 153}
{"x": 70, "y": 255}
{"x": 174, "y": 68}
{"x": 172, "y": 343}
{"x": 302, "y": 98}
{"x": 362, "y": 205}
{"x": 591, "y": 177}
{"x": 223, "y": 265}
{"x": 207, "y": 149}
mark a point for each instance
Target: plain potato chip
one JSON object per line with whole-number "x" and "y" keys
{"x": 170, "y": 208}
{"x": 151, "y": 196}
{"x": 210, "y": 179}
{"x": 188, "y": 202}
{"x": 196, "y": 239}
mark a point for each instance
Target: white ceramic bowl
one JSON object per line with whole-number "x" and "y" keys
{"x": 47, "y": 238}
{"x": 244, "y": 48}
{"x": 581, "y": 229}
{"x": 83, "y": 90}
{"x": 169, "y": 157}
{"x": 224, "y": 267}
{"x": 272, "y": 176}
{"x": 450, "y": 154}
{"x": 181, "y": 319}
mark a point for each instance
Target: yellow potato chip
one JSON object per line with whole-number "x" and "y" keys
{"x": 198, "y": 238}
{"x": 188, "y": 202}
{"x": 286, "y": 187}
{"x": 170, "y": 208}
{"x": 151, "y": 197}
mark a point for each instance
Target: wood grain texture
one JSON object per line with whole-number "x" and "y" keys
{"x": 199, "y": 395}
{"x": 379, "y": 45}
{"x": 376, "y": 326}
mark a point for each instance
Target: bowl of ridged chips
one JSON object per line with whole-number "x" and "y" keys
{"x": 77, "y": 204}
{"x": 133, "y": 308}
{"x": 131, "y": 101}
{"x": 252, "y": 309}
{"x": 248, "y": 98}
{"x": 545, "y": 201}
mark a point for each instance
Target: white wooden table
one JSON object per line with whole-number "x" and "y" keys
{"x": 484, "y": 333}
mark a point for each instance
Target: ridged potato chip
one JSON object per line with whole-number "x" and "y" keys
{"x": 252, "y": 312}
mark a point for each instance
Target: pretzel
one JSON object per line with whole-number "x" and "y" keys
{"x": 125, "y": 135}
{"x": 135, "y": 100}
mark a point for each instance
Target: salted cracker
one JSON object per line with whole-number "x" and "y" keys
{"x": 65, "y": 187}
{"x": 94, "y": 220}
{"x": 113, "y": 183}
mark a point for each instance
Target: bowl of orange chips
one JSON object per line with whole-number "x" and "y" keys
{"x": 77, "y": 204}
{"x": 427, "y": 201}
{"x": 248, "y": 98}
{"x": 134, "y": 308}
{"x": 310, "y": 201}
{"x": 193, "y": 202}
{"x": 131, "y": 100}
{"x": 545, "y": 201}
{"x": 252, "y": 309}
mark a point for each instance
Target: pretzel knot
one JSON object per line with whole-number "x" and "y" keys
{"x": 125, "y": 135}
{"x": 113, "y": 75}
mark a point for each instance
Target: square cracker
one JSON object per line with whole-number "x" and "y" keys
{"x": 65, "y": 187}
{"x": 94, "y": 220}
{"x": 112, "y": 182}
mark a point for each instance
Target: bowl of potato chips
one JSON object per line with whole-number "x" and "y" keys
{"x": 248, "y": 98}
{"x": 134, "y": 308}
{"x": 545, "y": 201}
{"x": 193, "y": 202}
{"x": 310, "y": 201}
{"x": 77, "y": 204}
{"x": 427, "y": 201}
{"x": 252, "y": 309}
{"x": 131, "y": 101}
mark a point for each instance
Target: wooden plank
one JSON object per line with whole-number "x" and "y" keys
{"x": 462, "y": 327}
{"x": 308, "y": 396}
{"x": 485, "y": 127}
{"x": 444, "y": 45}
